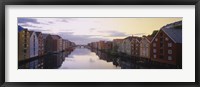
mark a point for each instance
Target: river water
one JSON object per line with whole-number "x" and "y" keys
{"x": 84, "y": 58}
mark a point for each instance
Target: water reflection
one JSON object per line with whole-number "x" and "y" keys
{"x": 51, "y": 61}
{"x": 84, "y": 58}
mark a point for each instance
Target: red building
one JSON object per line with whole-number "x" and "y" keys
{"x": 40, "y": 44}
{"x": 57, "y": 43}
{"x": 166, "y": 46}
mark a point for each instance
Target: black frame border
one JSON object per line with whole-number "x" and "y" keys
{"x": 98, "y": 2}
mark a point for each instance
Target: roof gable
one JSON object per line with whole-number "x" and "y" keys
{"x": 172, "y": 31}
{"x": 174, "y": 34}
{"x": 20, "y": 28}
{"x": 44, "y": 36}
{"x": 55, "y": 37}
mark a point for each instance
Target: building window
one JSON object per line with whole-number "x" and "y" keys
{"x": 154, "y": 50}
{"x": 161, "y": 34}
{"x": 166, "y": 39}
{"x": 169, "y": 57}
{"x": 169, "y": 44}
{"x": 25, "y": 45}
{"x": 169, "y": 51}
{"x": 161, "y": 44}
{"x": 24, "y": 50}
{"x": 156, "y": 39}
{"x": 161, "y": 56}
{"x": 161, "y": 50}
{"x": 154, "y": 44}
{"x": 154, "y": 56}
{"x": 147, "y": 45}
{"x": 161, "y": 39}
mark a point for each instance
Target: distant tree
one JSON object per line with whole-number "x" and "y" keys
{"x": 143, "y": 35}
{"x": 178, "y": 27}
{"x": 154, "y": 33}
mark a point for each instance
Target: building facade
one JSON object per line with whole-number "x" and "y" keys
{"x": 50, "y": 44}
{"x": 33, "y": 44}
{"x": 108, "y": 46}
{"x": 135, "y": 46}
{"x": 56, "y": 43}
{"x": 145, "y": 47}
{"x": 127, "y": 46}
{"x": 40, "y": 44}
{"x": 63, "y": 44}
{"x": 116, "y": 44}
{"x": 101, "y": 45}
{"x": 23, "y": 44}
{"x": 166, "y": 46}
{"x": 45, "y": 43}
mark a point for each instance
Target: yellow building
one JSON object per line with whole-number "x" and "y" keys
{"x": 23, "y": 45}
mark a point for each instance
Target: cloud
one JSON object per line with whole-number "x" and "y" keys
{"x": 92, "y": 29}
{"x": 81, "y": 52}
{"x": 29, "y": 25}
{"x": 50, "y": 22}
{"x": 139, "y": 34}
{"x": 117, "y": 34}
{"x": 27, "y": 20}
{"x": 114, "y": 33}
{"x": 66, "y": 20}
{"x": 79, "y": 39}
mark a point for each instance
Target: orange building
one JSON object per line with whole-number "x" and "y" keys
{"x": 23, "y": 45}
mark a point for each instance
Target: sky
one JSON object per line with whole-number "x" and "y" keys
{"x": 86, "y": 30}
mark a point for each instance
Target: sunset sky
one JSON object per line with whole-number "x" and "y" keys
{"x": 86, "y": 30}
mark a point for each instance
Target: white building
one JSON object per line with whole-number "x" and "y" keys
{"x": 126, "y": 46}
{"x": 145, "y": 47}
{"x": 33, "y": 44}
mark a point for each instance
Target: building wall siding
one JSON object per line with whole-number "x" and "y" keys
{"x": 23, "y": 45}
{"x": 164, "y": 53}
{"x": 144, "y": 48}
{"x": 33, "y": 45}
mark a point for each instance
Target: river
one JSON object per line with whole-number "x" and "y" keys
{"x": 85, "y": 58}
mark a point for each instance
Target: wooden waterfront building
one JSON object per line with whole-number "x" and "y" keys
{"x": 166, "y": 46}
{"x": 23, "y": 44}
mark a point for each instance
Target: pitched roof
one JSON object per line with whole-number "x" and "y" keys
{"x": 20, "y": 28}
{"x": 44, "y": 36}
{"x": 174, "y": 34}
{"x": 149, "y": 38}
{"x": 118, "y": 40}
{"x": 55, "y": 36}
{"x": 138, "y": 39}
{"x": 31, "y": 32}
{"x": 38, "y": 33}
{"x": 173, "y": 25}
{"x": 129, "y": 38}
